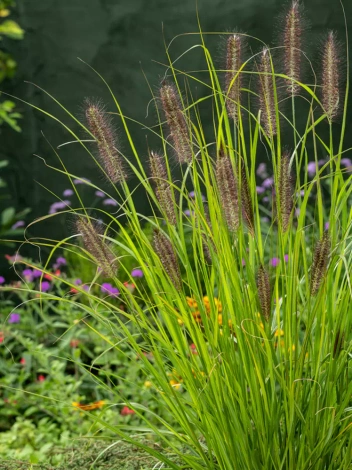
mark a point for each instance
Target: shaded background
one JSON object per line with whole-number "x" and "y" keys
{"x": 118, "y": 38}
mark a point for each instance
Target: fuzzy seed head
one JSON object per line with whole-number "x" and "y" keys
{"x": 100, "y": 125}
{"x": 331, "y": 77}
{"x": 266, "y": 94}
{"x": 176, "y": 122}
{"x": 263, "y": 286}
{"x": 246, "y": 201}
{"x": 285, "y": 191}
{"x": 93, "y": 242}
{"x": 163, "y": 189}
{"x": 233, "y": 64}
{"x": 227, "y": 186}
{"x": 292, "y": 46}
{"x": 166, "y": 253}
{"x": 320, "y": 262}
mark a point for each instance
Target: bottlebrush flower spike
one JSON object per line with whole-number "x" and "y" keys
{"x": 100, "y": 125}
{"x": 166, "y": 253}
{"x": 227, "y": 185}
{"x": 234, "y": 51}
{"x": 177, "y": 124}
{"x": 330, "y": 76}
{"x": 263, "y": 286}
{"x": 92, "y": 236}
{"x": 246, "y": 201}
{"x": 266, "y": 94}
{"x": 163, "y": 189}
{"x": 320, "y": 262}
{"x": 285, "y": 191}
{"x": 292, "y": 46}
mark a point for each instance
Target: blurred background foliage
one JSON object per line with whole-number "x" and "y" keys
{"x": 122, "y": 40}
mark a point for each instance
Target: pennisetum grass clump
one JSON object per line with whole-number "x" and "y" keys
{"x": 320, "y": 262}
{"x": 163, "y": 188}
{"x": 233, "y": 76}
{"x": 100, "y": 125}
{"x": 93, "y": 241}
{"x": 267, "y": 102}
{"x": 177, "y": 124}
{"x": 331, "y": 66}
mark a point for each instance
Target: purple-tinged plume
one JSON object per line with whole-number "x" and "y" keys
{"x": 292, "y": 46}
{"x": 163, "y": 188}
{"x": 166, "y": 253}
{"x": 285, "y": 191}
{"x": 263, "y": 286}
{"x": 233, "y": 79}
{"x": 330, "y": 90}
{"x": 320, "y": 262}
{"x": 246, "y": 201}
{"x": 227, "y": 186}
{"x": 266, "y": 93}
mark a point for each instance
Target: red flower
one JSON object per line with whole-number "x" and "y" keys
{"x": 23, "y": 361}
{"x": 73, "y": 290}
{"x": 193, "y": 348}
{"x": 41, "y": 378}
{"x": 127, "y": 411}
{"x": 74, "y": 343}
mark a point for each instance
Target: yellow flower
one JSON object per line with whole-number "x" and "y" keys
{"x": 176, "y": 385}
{"x": 148, "y": 384}
{"x": 89, "y": 406}
{"x": 191, "y": 302}
{"x": 279, "y": 332}
{"x": 180, "y": 322}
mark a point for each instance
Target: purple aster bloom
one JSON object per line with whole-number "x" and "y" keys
{"x": 137, "y": 273}
{"x": 81, "y": 181}
{"x": 36, "y": 273}
{"x": 56, "y": 206}
{"x": 109, "y": 202}
{"x": 268, "y": 182}
{"x": 68, "y": 192}
{"x": 45, "y": 286}
{"x": 311, "y": 168}
{"x": 261, "y": 170}
{"x": 28, "y": 274}
{"x": 192, "y": 194}
{"x": 18, "y": 224}
{"x": 260, "y": 190}
{"x": 188, "y": 213}
{"x": 86, "y": 287}
{"x": 60, "y": 261}
{"x": 99, "y": 193}
{"x": 106, "y": 287}
{"x": 2, "y": 280}
{"x": 78, "y": 282}
{"x": 297, "y": 211}
{"x": 243, "y": 262}
{"x": 265, "y": 199}
{"x": 347, "y": 162}
{"x": 321, "y": 162}
{"x": 274, "y": 262}
{"x": 327, "y": 225}
{"x": 14, "y": 318}
{"x": 286, "y": 258}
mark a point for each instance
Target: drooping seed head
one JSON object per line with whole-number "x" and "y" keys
{"x": 100, "y": 125}
{"x": 330, "y": 91}
{"x": 234, "y": 52}
{"x": 292, "y": 46}
{"x": 264, "y": 294}
{"x": 285, "y": 191}
{"x": 320, "y": 262}
{"x": 166, "y": 253}
{"x": 227, "y": 186}
{"x": 94, "y": 243}
{"x": 177, "y": 124}
{"x": 266, "y": 94}
{"x": 163, "y": 189}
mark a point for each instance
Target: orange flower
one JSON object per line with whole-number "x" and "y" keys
{"x": 90, "y": 406}
{"x": 191, "y": 302}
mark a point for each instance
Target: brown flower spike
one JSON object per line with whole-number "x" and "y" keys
{"x": 227, "y": 185}
{"x": 92, "y": 237}
{"x": 163, "y": 189}
{"x": 263, "y": 286}
{"x": 285, "y": 191}
{"x": 100, "y": 125}
{"x": 320, "y": 262}
{"x": 292, "y": 46}
{"x": 246, "y": 201}
{"x": 233, "y": 64}
{"x": 166, "y": 253}
{"x": 330, "y": 77}
{"x": 266, "y": 94}
{"x": 177, "y": 123}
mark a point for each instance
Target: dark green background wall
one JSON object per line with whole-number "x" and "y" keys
{"x": 116, "y": 37}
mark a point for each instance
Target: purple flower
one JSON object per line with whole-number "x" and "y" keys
{"x": 18, "y": 224}
{"x": 56, "y": 206}
{"x": 78, "y": 282}
{"x": 260, "y": 190}
{"x": 2, "y": 280}
{"x": 268, "y": 182}
{"x": 85, "y": 287}
{"x": 327, "y": 225}
{"x": 36, "y": 273}
{"x": 243, "y": 262}
{"x": 109, "y": 202}
{"x": 68, "y": 192}
{"x": 188, "y": 213}
{"x": 347, "y": 162}
{"x": 311, "y": 169}
{"x": 137, "y": 273}
{"x": 106, "y": 287}
{"x": 45, "y": 286}
{"x": 14, "y": 318}
{"x": 286, "y": 258}
{"x": 28, "y": 274}
{"x": 60, "y": 261}
{"x": 265, "y": 219}
{"x": 99, "y": 193}
{"x": 81, "y": 181}
{"x": 192, "y": 194}
{"x": 274, "y": 262}
{"x": 261, "y": 170}
{"x": 297, "y": 211}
